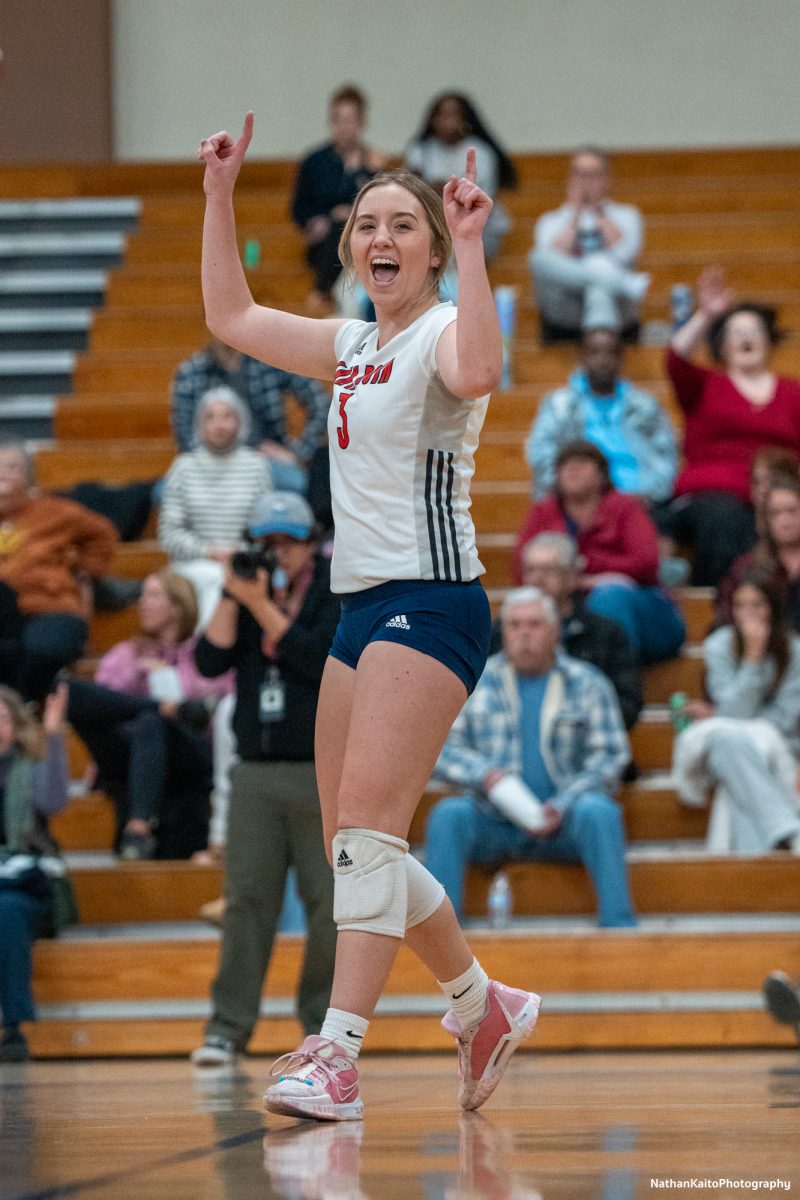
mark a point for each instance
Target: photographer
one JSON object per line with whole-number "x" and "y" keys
{"x": 274, "y": 624}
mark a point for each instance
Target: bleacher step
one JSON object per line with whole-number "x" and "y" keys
{"x": 36, "y": 372}
{"x": 130, "y": 995}
{"x": 85, "y": 214}
{"x": 108, "y": 893}
{"x": 52, "y": 289}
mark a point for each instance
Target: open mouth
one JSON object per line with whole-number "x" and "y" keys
{"x": 384, "y": 270}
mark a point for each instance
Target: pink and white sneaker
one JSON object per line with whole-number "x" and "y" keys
{"x": 320, "y": 1081}
{"x": 484, "y": 1049}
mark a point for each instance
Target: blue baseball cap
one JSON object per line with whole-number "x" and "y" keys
{"x": 281, "y": 512}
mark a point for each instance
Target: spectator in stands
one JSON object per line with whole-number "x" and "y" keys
{"x": 584, "y": 254}
{"x": 619, "y": 546}
{"x": 50, "y": 551}
{"x": 597, "y": 404}
{"x": 276, "y": 635}
{"x": 730, "y": 414}
{"x": 770, "y": 466}
{"x": 540, "y": 746}
{"x": 145, "y": 719}
{"x": 209, "y": 494}
{"x": 551, "y": 562}
{"x": 777, "y": 552}
{"x": 745, "y": 742}
{"x": 34, "y": 784}
{"x": 782, "y": 998}
{"x": 328, "y": 181}
{"x": 450, "y": 127}
{"x": 264, "y": 390}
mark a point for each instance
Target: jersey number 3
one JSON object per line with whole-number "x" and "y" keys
{"x": 342, "y": 431}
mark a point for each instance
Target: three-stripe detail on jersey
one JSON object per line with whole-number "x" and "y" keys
{"x": 439, "y": 477}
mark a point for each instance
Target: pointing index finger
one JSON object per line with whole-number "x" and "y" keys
{"x": 471, "y": 171}
{"x": 247, "y": 130}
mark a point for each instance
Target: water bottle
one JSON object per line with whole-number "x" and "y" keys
{"x": 501, "y": 902}
{"x": 681, "y": 303}
{"x": 252, "y": 253}
{"x": 677, "y": 711}
{"x": 505, "y": 299}
{"x": 590, "y": 239}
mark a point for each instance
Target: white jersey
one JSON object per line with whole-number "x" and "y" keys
{"x": 402, "y": 457}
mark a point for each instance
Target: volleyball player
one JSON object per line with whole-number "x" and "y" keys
{"x": 410, "y": 395}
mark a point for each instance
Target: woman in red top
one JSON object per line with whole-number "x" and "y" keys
{"x": 730, "y": 414}
{"x": 619, "y": 548}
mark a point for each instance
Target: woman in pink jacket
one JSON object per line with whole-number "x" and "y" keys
{"x": 145, "y": 721}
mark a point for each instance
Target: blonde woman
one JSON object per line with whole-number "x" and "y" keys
{"x": 410, "y": 395}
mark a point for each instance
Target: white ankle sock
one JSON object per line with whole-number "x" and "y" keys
{"x": 346, "y": 1029}
{"x": 467, "y": 994}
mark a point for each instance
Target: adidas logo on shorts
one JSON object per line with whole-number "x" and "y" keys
{"x": 344, "y": 860}
{"x": 398, "y": 622}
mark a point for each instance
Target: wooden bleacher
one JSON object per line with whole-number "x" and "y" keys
{"x": 740, "y": 208}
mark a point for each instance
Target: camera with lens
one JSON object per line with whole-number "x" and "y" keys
{"x": 247, "y": 563}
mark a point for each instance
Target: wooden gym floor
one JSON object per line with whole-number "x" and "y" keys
{"x": 572, "y": 1126}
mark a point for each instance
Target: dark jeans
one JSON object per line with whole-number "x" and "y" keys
{"x": 274, "y": 823}
{"x": 156, "y": 768}
{"x": 34, "y": 649}
{"x": 652, "y": 622}
{"x": 323, "y": 258}
{"x": 23, "y": 918}
{"x": 717, "y": 525}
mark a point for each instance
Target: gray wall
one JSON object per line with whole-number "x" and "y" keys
{"x": 548, "y": 73}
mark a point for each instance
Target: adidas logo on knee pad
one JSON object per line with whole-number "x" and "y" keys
{"x": 370, "y": 892}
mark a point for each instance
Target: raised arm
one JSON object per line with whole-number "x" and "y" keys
{"x": 299, "y": 344}
{"x": 469, "y": 354}
{"x": 713, "y": 298}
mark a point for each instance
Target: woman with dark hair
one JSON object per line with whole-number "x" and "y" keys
{"x": 618, "y": 546}
{"x": 730, "y": 414}
{"x": 450, "y": 127}
{"x": 770, "y": 466}
{"x": 747, "y": 738}
{"x": 777, "y": 553}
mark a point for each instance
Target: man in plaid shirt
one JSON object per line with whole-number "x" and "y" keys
{"x": 264, "y": 390}
{"x": 540, "y": 746}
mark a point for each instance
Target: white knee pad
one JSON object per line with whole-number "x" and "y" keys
{"x": 370, "y": 892}
{"x": 425, "y": 893}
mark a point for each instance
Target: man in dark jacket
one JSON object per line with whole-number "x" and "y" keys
{"x": 275, "y": 629}
{"x": 551, "y": 562}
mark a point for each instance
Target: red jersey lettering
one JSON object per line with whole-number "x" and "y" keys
{"x": 342, "y": 431}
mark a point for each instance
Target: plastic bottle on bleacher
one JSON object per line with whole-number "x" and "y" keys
{"x": 681, "y": 303}
{"x": 500, "y": 904}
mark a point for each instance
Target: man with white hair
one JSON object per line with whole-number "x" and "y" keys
{"x": 551, "y": 561}
{"x": 540, "y": 747}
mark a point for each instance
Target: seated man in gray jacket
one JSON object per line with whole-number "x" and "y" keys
{"x": 540, "y": 747}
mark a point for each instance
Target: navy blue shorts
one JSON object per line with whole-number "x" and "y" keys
{"x": 450, "y": 622}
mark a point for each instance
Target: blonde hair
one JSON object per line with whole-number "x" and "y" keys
{"x": 28, "y": 735}
{"x": 181, "y": 593}
{"x": 432, "y": 206}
